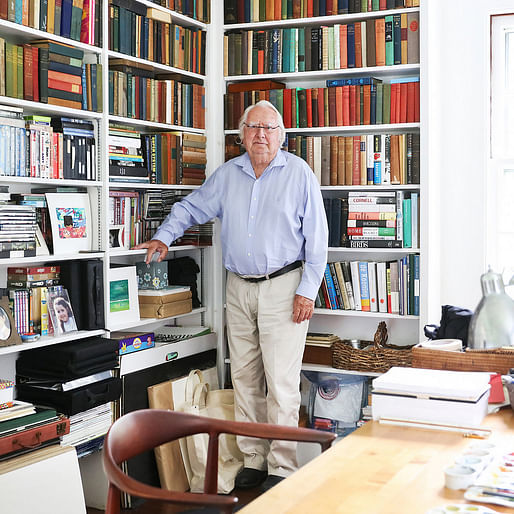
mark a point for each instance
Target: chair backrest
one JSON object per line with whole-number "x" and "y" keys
{"x": 143, "y": 430}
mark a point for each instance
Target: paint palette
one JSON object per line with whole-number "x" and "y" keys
{"x": 462, "y": 508}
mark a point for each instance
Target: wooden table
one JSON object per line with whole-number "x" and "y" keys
{"x": 381, "y": 469}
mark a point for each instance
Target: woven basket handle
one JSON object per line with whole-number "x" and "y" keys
{"x": 380, "y": 337}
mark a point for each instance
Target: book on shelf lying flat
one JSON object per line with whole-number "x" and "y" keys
{"x": 165, "y": 335}
{"x": 164, "y": 296}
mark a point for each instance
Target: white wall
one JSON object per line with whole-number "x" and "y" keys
{"x": 457, "y": 79}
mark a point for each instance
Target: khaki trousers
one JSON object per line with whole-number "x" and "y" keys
{"x": 266, "y": 350}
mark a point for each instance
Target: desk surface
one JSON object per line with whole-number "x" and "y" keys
{"x": 381, "y": 469}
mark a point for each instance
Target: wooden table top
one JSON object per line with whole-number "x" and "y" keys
{"x": 381, "y": 469}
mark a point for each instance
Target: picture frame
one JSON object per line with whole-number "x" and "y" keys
{"x": 123, "y": 307}
{"x": 41, "y": 246}
{"x": 8, "y": 333}
{"x": 70, "y": 218}
{"x": 117, "y": 237}
{"x": 60, "y": 311}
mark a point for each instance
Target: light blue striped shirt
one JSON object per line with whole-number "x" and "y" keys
{"x": 266, "y": 223}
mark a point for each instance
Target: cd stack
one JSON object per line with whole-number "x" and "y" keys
{"x": 17, "y": 230}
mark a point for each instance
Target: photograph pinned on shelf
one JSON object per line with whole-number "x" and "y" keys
{"x": 60, "y": 310}
{"x": 123, "y": 300}
{"x": 70, "y": 217}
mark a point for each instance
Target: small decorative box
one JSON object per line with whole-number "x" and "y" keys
{"x": 153, "y": 275}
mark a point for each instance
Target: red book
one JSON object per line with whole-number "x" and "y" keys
{"x": 65, "y": 86}
{"x": 411, "y": 102}
{"x": 346, "y": 105}
{"x": 136, "y": 87}
{"x": 393, "y": 103}
{"x": 35, "y": 73}
{"x": 397, "y": 109}
{"x": 358, "y": 45}
{"x": 353, "y": 105}
{"x": 308, "y": 95}
{"x": 278, "y": 9}
{"x": 28, "y": 93}
{"x": 343, "y": 50}
{"x": 382, "y": 5}
{"x": 403, "y": 103}
{"x": 356, "y": 169}
{"x": 64, "y": 77}
{"x": 416, "y": 101}
{"x": 310, "y": 8}
{"x": 55, "y": 155}
{"x": 260, "y": 52}
{"x": 294, "y": 108}
{"x": 321, "y": 107}
{"x": 339, "y": 106}
{"x": 328, "y": 8}
{"x": 332, "y": 111}
{"x": 358, "y": 99}
{"x": 3, "y": 9}
{"x": 325, "y": 293}
{"x": 241, "y": 11}
{"x": 367, "y": 105}
{"x": 287, "y": 108}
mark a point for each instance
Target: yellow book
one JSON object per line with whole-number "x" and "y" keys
{"x": 50, "y": 18}
{"x": 404, "y": 30}
{"x": 44, "y": 311}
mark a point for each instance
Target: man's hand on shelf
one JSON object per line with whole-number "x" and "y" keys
{"x": 153, "y": 246}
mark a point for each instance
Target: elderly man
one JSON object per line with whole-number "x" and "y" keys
{"x": 274, "y": 239}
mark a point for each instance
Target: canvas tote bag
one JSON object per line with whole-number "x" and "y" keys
{"x": 214, "y": 404}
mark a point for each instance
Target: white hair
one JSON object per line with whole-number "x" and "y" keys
{"x": 269, "y": 105}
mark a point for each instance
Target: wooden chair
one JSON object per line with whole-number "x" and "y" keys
{"x": 143, "y": 430}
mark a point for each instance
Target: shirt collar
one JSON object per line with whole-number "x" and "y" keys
{"x": 244, "y": 162}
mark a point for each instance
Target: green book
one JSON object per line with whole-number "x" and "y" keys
{"x": 301, "y": 49}
{"x": 41, "y": 415}
{"x": 58, "y": 48}
{"x": 116, "y": 28}
{"x": 364, "y": 5}
{"x": 289, "y": 9}
{"x": 9, "y": 76}
{"x": 262, "y": 10}
{"x": 99, "y": 88}
{"x": 379, "y": 102}
{"x": 375, "y": 5}
{"x": 292, "y": 50}
{"x": 19, "y": 72}
{"x": 386, "y": 104}
{"x": 284, "y": 9}
{"x": 407, "y": 223}
{"x": 389, "y": 45}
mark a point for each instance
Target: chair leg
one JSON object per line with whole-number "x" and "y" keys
{"x": 113, "y": 505}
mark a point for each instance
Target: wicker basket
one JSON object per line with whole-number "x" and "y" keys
{"x": 497, "y": 360}
{"x": 378, "y": 357}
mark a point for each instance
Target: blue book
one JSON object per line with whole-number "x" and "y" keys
{"x": 416, "y": 285}
{"x": 292, "y": 50}
{"x": 350, "y": 44}
{"x": 407, "y": 223}
{"x": 342, "y": 7}
{"x": 331, "y": 289}
{"x": 247, "y": 16}
{"x": 66, "y": 18}
{"x": 43, "y": 11}
{"x": 84, "y": 88}
{"x": 18, "y": 12}
{"x": 364, "y": 285}
{"x": 378, "y": 160}
{"x": 65, "y": 68}
{"x": 158, "y": 177}
{"x": 286, "y": 41}
{"x": 301, "y": 49}
{"x": 322, "y": 7}
{"x": 397, "y": 39}
{"x": 274, "y": 51}
{"x": 145, "y": 39}
{"x": 94, "y": 93}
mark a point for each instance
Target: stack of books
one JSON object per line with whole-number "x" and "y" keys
{"x": 318, "y": 348}
{"x": 126, "y": 163}
{"x": 164, "y": 303}
{"x": 17, "y": 228}
{"x": 193, "y": 159}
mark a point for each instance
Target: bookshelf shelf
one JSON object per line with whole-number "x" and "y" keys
{"x": 176, "y": 17}
{"x": 149, "y": 321}
{"x": 361, "y": 129}
{"x": 374, "y": 251}
{"x": 384, "y": 315}
{"x": 48, "y": 109}
{"x": 399, "y": 70}
{"x": 387, "y": 187}
{"x": 50, "y": 181}
{"x": 39, "y": 259}
{"x": 318, "y": 20}
{"x": 21, "y": 34}
{"x": 154, "y": 124}
{"x": 157, "y": 66}
{"x": 50, "y": 340}
{"x": 113, "y": 254}
{"x": 126, "y": 185}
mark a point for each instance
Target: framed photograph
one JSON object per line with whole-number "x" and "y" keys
{"x": 60, "y": 310}
{"x": 8, "y": 333}
{"x": 116, "y": 237}
{"x": 70, "y": 217}
{"x": 123, "y": 300}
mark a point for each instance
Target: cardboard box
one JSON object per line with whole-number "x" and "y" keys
{"x": 153, "y": 275}
{"x": 133, "y": 341}
{"x": 165, "y": 310}
{"x": 428, "y": 395}
{"x": 167, "y": 295}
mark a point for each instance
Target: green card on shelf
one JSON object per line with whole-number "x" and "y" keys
{"x": 152, "y": 276}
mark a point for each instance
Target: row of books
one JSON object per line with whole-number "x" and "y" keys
{"x": 160, "y": 158}
{"x": 345, "y": 102}
{"x": 165, "y": 101}
{"x": 269, "y": 10}
{"x": 386, "y": 41}
{"x": 373, "y": 219}
{"x": 80, "y": 20}
{"x": 50, "y": 72}
{"x": 389, "y": 287}
{"x": 148, "y": 33}
{"x": 139, "y": 214}
{"x": 44, "y": 147}
{"x": 197, "y": 9}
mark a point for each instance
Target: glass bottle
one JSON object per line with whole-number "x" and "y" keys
{"x": 492, "y": 324}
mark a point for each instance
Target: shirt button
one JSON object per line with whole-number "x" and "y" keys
{"x": 249, "y": 254}
{"x": 251, "y": 217}
{"x": 255, "y": 198}
{"x": 249, "y": 235}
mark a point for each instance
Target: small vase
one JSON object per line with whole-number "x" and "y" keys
{"x": 492, "y": 324}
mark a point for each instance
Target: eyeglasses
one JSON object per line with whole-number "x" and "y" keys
{"x": 266, "y": 128}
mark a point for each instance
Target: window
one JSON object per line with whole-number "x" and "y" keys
{"x": 501, "y": 156}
